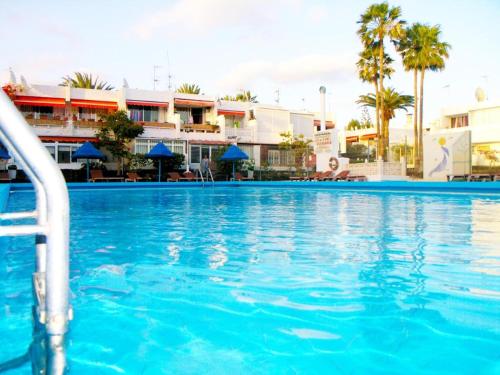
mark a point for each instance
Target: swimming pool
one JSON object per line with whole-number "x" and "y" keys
{"x": 271, "y": 281}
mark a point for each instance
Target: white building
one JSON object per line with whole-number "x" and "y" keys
{"x": 193, "y": 125}
{"x": 483, "y": 120}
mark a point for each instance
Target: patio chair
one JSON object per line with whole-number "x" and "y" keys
{"x": 341, "y": 176}
{"x": 315, "y": 176}
{"x": 457, "y": 177}
{"x": 326, "y": 176}
{"x": 189, "y": 176}
{"x": 356, "y": 178}
{"x": 239, "y": 177}
{"x": 134, "y": 177}
{"x": 173, "y": 177}
{"x": 4, "y": 176}
{"x": 97, "y": 175}
{"x": 479, "y": 177}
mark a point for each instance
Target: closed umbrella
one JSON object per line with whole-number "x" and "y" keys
{"x": 234, "y": 153}
{"x": 159, "y": 152}
{"x": 87, "y": 151}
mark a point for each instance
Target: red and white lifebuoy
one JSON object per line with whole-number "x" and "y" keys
{"x": 333, "y": 163}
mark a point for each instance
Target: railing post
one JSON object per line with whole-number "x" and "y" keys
{"x": 53, "y": 214}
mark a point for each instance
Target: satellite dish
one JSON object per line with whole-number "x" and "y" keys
{"x": 480, "y": 95}
{"x": 24, "y": 82}
{"x": 12, "y": 77}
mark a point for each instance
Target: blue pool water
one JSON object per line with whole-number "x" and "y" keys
{"x": 271, "y": 281}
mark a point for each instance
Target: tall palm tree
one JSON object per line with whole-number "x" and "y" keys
{"x": 368, "y": 71}
{"x": 379, "y": 22}
{"x": 187, "y": 88}
{"x": 85, "y": 81}
{"x": 422, "y": 50}
{"x": 393, "y": 101}
{"x": 246, "y": 96}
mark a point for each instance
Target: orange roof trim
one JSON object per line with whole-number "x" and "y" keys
{"x": 94, "y": 104}
{"x": 227, "y": 112}
{"x": 40, "y": 101}
{"x": 148, "y": 103}
{"x": 67, "y": 139}
{"x": 194, "y": 103}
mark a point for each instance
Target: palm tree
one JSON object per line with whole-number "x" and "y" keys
{"x": 187, "y": 88}
{"x": 246, "y": 96}
{"x": 85, "y": 81}
{"x": 393, "y": 101}
{"x": 229, "y": 98}
{"x": 422, "y": 50}
{"x": 379, "y": 22}
{"x": 368, "y": 71}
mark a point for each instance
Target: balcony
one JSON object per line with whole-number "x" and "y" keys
{"x": 200, "y": 128}
{"x": 157, "y": 125}
{"x": 241, "y": 134}
{"x": 46, "y": 121}
{"x": 81, "y": 123}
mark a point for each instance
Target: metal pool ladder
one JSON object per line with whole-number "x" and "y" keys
{"x": 210, "y": 175}
{"x": 51, "y": 309}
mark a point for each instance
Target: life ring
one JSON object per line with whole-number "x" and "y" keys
{"x": 333, "y": 163}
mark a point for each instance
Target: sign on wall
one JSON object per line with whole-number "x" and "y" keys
{"x": 323, "y": 142}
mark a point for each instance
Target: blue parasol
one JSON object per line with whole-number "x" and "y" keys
{"x": 87, "y": 151}
{"x": 159, "y": 152}
{"x": 234, "y": 153}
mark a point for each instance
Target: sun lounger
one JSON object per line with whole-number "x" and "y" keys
{"x": 189, "y": 176}
{"x": 341, "y": 176}
{"x": 4, "y": 177}
{"x": 239, "y": 177}
{"x": 457, "y": 177}
{"x": 97, "y": 175}
{"x": 479, "y": 177}
{"x": 176, "y": 177}
{"x": 356, "y": 178}
{"x": 134, "y": 177}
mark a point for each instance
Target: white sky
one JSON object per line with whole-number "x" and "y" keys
{"x": 228, "y": 45}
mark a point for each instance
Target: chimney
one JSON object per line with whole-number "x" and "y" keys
{"x": 322, "y": 107}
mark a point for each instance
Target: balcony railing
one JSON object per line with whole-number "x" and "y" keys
{"x": 200, "y": 128}
{"x": 88, "y": 123}
{"x": 46, "y": 121}
{"x": 242, "y": 135}
{"x": 156, "y": 124}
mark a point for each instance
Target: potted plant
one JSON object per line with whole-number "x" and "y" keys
{"x": 249, "y": 166}
{"x": 12, "y": 171}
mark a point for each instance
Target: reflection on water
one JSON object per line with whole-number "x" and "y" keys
{"x": 234, "y": 280}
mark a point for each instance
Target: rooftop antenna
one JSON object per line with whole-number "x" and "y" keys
{"x": 169, "y": 74}
{"x": 155, "y": 78}
{"x": 277, "y": 100}
{"x": 303, "y": 104}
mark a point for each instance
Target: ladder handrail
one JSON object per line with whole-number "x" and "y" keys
{"x": 52, "y": 228}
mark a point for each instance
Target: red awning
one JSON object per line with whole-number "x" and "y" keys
{"x": 40, "y": 101}
{"x": 147, "y": 103}
{"x": 67, "y": 139}
{"x": 227, "y": 112}
{"x": 193, "y": 103}
{"x": 193, "y": 142}
{"x": 94, "y": 104}
{"x": 327, "y": 123}
{"x": 368, "y": 136}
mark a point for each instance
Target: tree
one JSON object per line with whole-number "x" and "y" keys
{"x": 366, "y": 121}
{"x": 187, "y": 88}
{"x": 298, "y": 146}
{"x": 116, "y": 133}
{"x": 368, "y": 70}
{"x": 393, "y": 101}
{"x": 246, "y": 96}
{"x": 229, "y": 98}
{"x": 379, "y": 22}
{"x": 422, "y": 50}
{"x": 85, "y": 81}
{"x": 353, "y": 125}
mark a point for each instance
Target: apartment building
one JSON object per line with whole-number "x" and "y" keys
{"x": 193, "y": 125}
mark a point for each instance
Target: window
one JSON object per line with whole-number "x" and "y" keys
{"x": 195, "y": 156}
{"x": 273, "y": 157}
{"x": 143, "y": 113}
{"x": 460, "y": 121}
{"x": 144, "y": 145}
{"x": 37, "y": 112}
{"x": 52, "y": 151}
{"x": 90, "y": 113}
{"x": 247, "y": 149}
{"x": 190, "y": 115}
{"x": 62, "y": 152}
